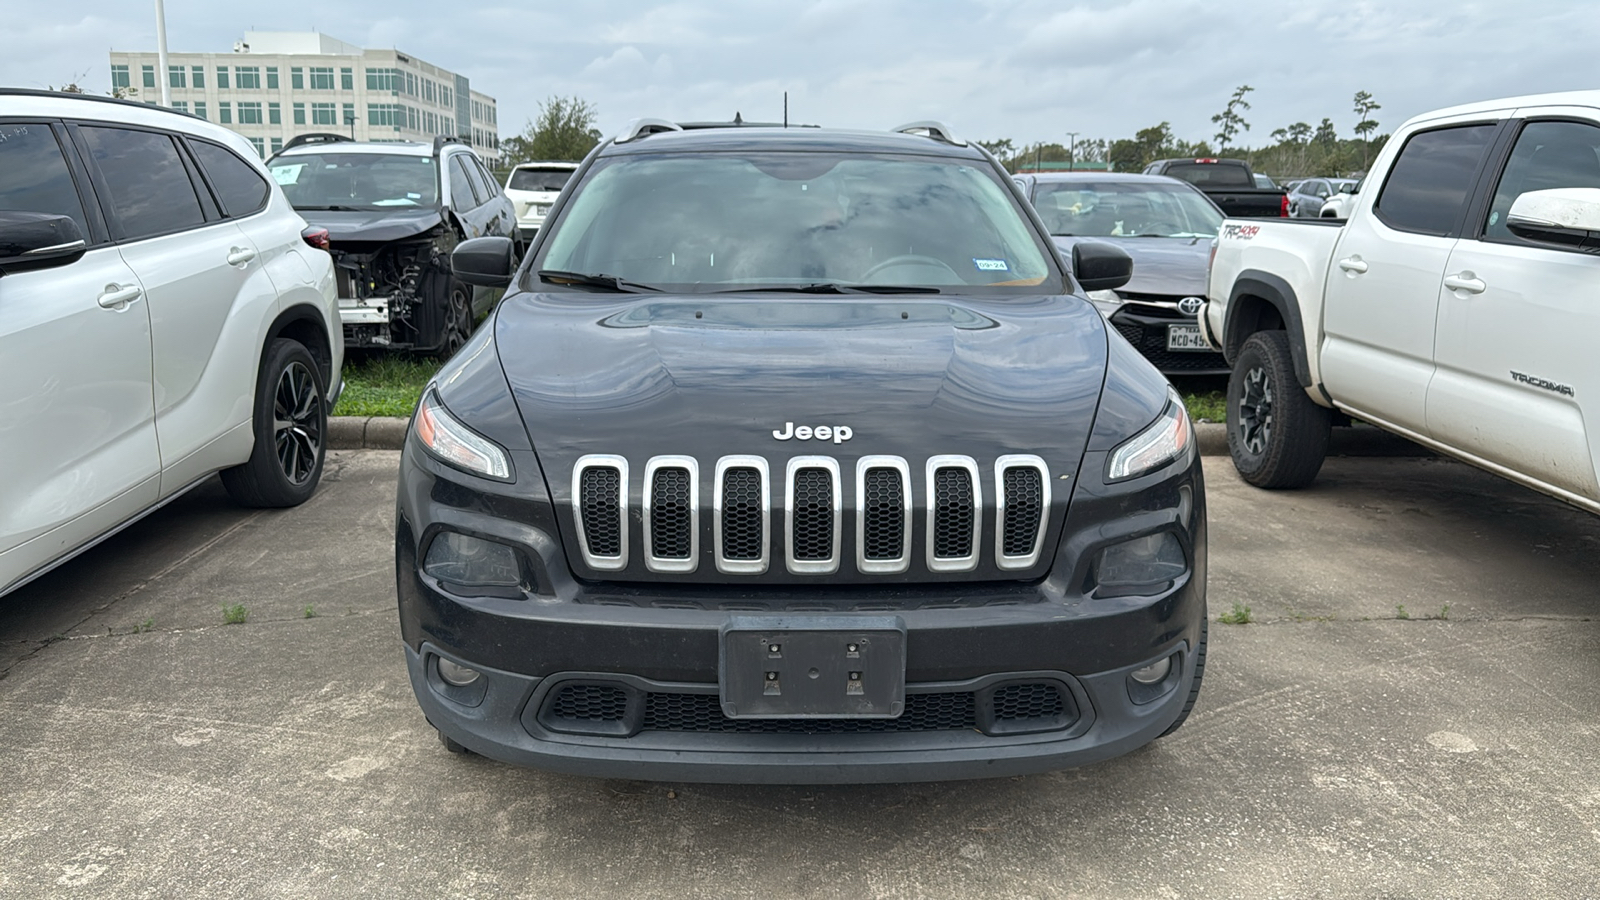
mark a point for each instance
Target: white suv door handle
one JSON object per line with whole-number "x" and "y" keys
{"x": 118, "y": 297}
{"x": 1353, "y": 264}
{"x": 238, "y": 256}
{"x": 1466, "y": 281}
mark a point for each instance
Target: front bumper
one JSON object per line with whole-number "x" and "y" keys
{"x": 1146, "y": 329}
{"x": 657, "y": 648}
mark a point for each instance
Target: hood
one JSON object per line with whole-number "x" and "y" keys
{"x": 712, "y": 377}
{"x": 1168, "y": 266}
{"x": 369, "y": 225}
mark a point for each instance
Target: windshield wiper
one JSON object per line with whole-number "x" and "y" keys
{"x": 595, "y": 279}
{"x": 834, "y": 287}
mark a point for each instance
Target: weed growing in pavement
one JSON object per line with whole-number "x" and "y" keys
{"x": 234, "y": 614}
{"x": 144, "y": 626}
{"x": 310, "y": 611}
{"x": 1239, "y": 615}
{"x": 1444, "y": 611}
{"x": 1400, "y": 611}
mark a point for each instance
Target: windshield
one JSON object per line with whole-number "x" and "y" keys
{"x": 1125, "y": 209}
{"x": 356, "y": 180}
{"x": 722, "y": 221}
{"x": 1211, "y": 174}
{"x": 549, "y": 181}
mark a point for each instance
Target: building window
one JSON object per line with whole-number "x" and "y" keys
{"x": 197, "y": 76}
{"x": 296, "y": 80}
{"x": 222, "y": 77}
{"x": 180, "y": 105}
{"x": 347, "y": 79}
{"x": 249, "y": 113}
{"x": 444, "y": 96}
{"x": 175, "y": 77}
{"x": 272, "y": 78}
{"x": 225, "y": 113}
{"x": 349, "y": 113}
{"x": 411, "y": 118}
{"x": 119, "y": 77}
{"x": 385, "y": 114}
{"x": 324, "y": 114}
{"x": 274, "y": 114}
{"x": 200, "y": 108}
{"x": 299, "y": 113}
{"x": 277, "y": 144}
{"x": 260, "y": 145}
{"x": 149, "y": 73}
{"x": 321, "y": 78}
{"x": 411, "y": 84}
{"x": 247, "y": 78}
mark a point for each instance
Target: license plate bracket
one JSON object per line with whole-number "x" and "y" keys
{"x": 1186, "y": 338}
{"x": 834, "y": 667}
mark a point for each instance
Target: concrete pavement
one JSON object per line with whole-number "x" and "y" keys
{"x": 1338, "y": 750}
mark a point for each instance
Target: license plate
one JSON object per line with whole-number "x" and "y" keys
{"x": 812, "y": 668}
{"x": 1186, "y": 337}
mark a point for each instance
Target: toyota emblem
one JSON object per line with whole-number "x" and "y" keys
{"x": 1190, "y": 306}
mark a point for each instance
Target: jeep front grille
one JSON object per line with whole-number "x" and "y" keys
{"x": 813, "y": 497}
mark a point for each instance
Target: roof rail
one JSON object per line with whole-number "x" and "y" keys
{"x": 439, "y": 140}
{"x": 639, "y": 128}
{"x": 315, "y": 137}
{"x": 936, "y": 130}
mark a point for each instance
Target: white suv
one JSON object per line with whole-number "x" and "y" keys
{"x": 163, "y": 318}
{"x": 533, "y": 187}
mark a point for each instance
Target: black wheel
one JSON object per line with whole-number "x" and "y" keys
{"x": 291, "y": 419}
{"x": 1276, "y": 435}
{"x": 457, "y": 319}
{"x": 452, "y": 745}
{"x": 1194, "y": 687}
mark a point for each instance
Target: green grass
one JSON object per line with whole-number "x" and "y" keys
{"x": 1211, "y": 406}
{"x": 235, "y": 614}
{"x": 384, "y": 385}
{"x": 1239, "y": 615}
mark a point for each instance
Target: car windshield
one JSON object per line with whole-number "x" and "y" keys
{"x": 546, "y": 180}
{"x": 1126, "y": 209}
{"x": 790, "y": 220}
{"x": 357, "y": 180}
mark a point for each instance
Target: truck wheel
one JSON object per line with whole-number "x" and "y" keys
{"x": 291, "y": 418}
{"x": 1194, "y": 688}
{"x": 457, "y": 319}
{"x": 1276, "y": 435}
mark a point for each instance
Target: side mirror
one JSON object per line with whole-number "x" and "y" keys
{"x": 1565, "y": 217}
{"x": 30, "y": 240}
{"x": 1101, "y": 267}
{"x": 1347, "y": 189}
{"x": 485, "y": 261}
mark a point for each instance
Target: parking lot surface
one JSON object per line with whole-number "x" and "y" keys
{"x": 1411, "y": 713}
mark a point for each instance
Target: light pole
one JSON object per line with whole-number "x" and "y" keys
{"x": 1072, "y": 159}
{"x": 163, "y": 77}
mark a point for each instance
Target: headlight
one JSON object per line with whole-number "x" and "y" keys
{"x": 1144, "y": 562}
{"x": 1107, "y": 302}
{"x": 1162, "y": 442}
{"x": 457, "y": 444}
{"x": 467, "y": 560}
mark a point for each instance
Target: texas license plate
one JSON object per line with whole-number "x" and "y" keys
{"x": 1185, "y": 337}
{"x": 830, "y": 667}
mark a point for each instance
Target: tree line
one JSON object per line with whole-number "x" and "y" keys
{"x": 1298, "y": 149}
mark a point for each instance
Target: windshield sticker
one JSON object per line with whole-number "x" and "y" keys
{"x": 991, "y": 265}
{"x": 288, "y": 174}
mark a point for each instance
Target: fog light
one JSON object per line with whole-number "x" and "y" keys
{"x": 464, "y": 559}
{"x": 456, "y": 674}
{"x": 1153, "y": 673}
{"x": 1147, "y": 561}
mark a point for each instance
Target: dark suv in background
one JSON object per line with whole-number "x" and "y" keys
{"x": 393, "y": 211}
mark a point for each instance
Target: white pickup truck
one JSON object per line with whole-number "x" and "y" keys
{"x": 1458, "y": 305}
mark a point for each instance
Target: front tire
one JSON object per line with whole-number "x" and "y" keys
{"x": 1277, "y": 437}
{"x": 290, "y": 424}
{"x": 457, "y": 319}
{"x": 1194, "y": 686}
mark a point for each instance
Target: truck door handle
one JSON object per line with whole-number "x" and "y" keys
{"x": 118, "y": 297}
{"x": 1353, "y": 264}
{"x": 1466, "y": 281}
{"x": 238, "y": 256}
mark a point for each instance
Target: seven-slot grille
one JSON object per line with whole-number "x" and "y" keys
{"x": 812, "y": 523}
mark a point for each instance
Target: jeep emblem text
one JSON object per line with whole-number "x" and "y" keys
{"x": 836, "y": 433}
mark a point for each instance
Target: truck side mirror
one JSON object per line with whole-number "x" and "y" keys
{"x": 1564, "y": 217}
{"x": 30, "y": 240}
{"x": 1101, "y": 267}
{"x": 485, "y": 261}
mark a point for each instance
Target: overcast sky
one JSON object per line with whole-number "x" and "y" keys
{"x": 1021, "y": 69}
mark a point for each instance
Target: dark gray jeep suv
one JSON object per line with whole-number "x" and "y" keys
{"x": 797, "y": 455}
